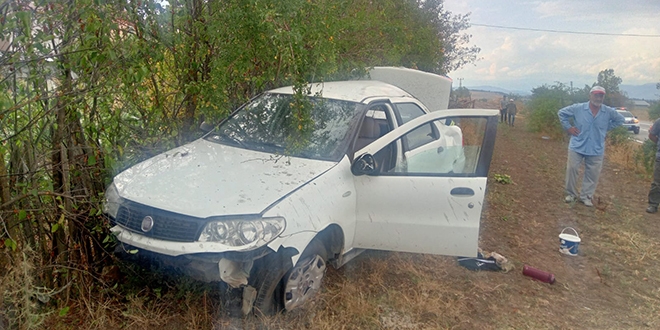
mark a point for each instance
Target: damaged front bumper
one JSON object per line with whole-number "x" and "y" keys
{"x": 203, "y": 261}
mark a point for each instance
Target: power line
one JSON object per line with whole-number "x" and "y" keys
{"x": 570, "y": 32}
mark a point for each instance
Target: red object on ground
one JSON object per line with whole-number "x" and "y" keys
{"x": 538, "y": 274}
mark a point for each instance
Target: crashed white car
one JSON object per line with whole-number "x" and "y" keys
{"x": 264, "y": 204}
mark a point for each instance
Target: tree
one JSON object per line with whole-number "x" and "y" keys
{"x": 88, "y": 88}
{"x": 610, "y": 82}
{"x": 456, "y": 52}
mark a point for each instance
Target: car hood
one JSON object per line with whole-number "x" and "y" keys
{"x": 204, "y": 179}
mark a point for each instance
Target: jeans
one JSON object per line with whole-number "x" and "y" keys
{"x": 503, "y": 116}
{"x": 592, "y": 167}
{"x": 654, "y": 192}
{"x": 512, "y": 118}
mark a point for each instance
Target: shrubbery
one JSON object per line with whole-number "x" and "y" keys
{"x": 543, "y": 116}
{"x": 618, "y": 135}
{"x": 645, "y": 156}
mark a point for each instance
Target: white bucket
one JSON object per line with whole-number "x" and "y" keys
{"x": 568, "y": 243}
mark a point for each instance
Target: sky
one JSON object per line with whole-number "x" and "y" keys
{"x": 521, "y": 59}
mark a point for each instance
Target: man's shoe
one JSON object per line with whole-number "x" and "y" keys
{"x": 652, "y": 209}
{"x": 587, "y": 202}
{"x": 569, "y": 199}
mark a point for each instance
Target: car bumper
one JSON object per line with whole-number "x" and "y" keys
{"x": 170, "y": 248}
{"x": 631, "y": 127}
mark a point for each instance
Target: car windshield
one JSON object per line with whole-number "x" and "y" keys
{"x": 315, "y": 128}
{"x": 626, "y": 114}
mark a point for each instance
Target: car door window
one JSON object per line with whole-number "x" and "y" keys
{"x": 424, "y": 134}
{"x": 408, "y": 111}
{"x": 455, "y": 150}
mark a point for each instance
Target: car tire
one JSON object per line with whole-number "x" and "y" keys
{"x": 302, "y": 282}
{"x": 266, "y": 278}
{"x": 636, "y": 130}
{"x": 280, "y": 285}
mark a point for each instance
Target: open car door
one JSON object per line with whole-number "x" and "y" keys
{"x": 421, "y": 187}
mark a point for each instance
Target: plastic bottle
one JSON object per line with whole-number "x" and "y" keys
{"x": 538, "y": 274}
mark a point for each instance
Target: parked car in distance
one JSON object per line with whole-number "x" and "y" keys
{"x": 631, "y": 122}
{"x": 267, "y": 200}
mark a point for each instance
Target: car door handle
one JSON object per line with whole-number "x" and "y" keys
{"x": 462, "y": 192}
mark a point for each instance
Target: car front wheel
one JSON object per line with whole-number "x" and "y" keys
{"x": 636, "y": 130}
{"x": 304, "y": 280}
{"x": 283, "y": 287}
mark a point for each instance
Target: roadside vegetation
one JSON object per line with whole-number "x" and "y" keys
{"x": 88, "y": 88}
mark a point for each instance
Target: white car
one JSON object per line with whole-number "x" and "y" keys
{"x": 631, "y": 123}
{"x": 266, "y": 200}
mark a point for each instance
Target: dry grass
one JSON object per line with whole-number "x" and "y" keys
{"x": 20, "y": 307}
{"x": 623, "y": 155}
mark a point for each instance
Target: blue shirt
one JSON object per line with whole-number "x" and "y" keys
{"x": 591, "y": 140}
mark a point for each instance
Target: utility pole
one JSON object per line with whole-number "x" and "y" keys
{"x": 460, "y": 82}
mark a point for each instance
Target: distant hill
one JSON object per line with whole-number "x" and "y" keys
{"x": 499, "y": 90}
{"x": 640, "y": 92}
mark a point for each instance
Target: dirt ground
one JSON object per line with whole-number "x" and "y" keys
{"x": 612, "y": 284}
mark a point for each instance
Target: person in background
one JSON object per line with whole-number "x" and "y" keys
{"x": 587, "y": 123}
{"x": 511, "y": 112}
{"x": 654, "y": 192}
{"x": 503, "y": 104}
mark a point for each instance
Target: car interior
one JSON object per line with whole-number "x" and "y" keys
{"x": 374, "y": 126}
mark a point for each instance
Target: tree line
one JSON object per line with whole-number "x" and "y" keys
{"x": 90, "y": 87}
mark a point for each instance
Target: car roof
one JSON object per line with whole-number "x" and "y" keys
{"x": 351, "y": 90}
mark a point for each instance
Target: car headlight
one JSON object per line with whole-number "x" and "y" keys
{"x": 635, "y": 120}
{"x": 111, "y": 201}
{"x": 243, "y": 233}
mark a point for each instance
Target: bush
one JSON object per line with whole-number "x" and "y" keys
{"x": 645, "y": 155}
{"x": 618, "y": 135}
{"x": 543, "y": 116}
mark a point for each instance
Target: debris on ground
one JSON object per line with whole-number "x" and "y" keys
{"x": 492, "y": 261}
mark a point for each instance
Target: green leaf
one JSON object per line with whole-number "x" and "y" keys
{"x": 64, "y": 311}
{"x": 106, "y": 239}
{"x": 134, "y": 251}
{"x": 10, "y": 243}
{"x": 55, "y": 227}
{"x": 91, "y": 160}
{"x": 24, "y": 17}
{"x": 22, "y": 214}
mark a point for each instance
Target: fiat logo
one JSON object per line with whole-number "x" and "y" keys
{"x": 147, "y": 223}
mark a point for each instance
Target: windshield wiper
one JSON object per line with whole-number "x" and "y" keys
{"x": 266, "y": 146}
{"x": 230, "y": 138}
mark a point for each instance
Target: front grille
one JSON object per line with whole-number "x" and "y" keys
{"x": 167, "y": 225}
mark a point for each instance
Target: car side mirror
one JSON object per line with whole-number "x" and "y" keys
{"x": 206, "y": 127}
{"x": 365, "y": 164}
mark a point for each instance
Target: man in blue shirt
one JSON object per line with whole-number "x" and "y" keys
{"x": 587, "y": 123}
